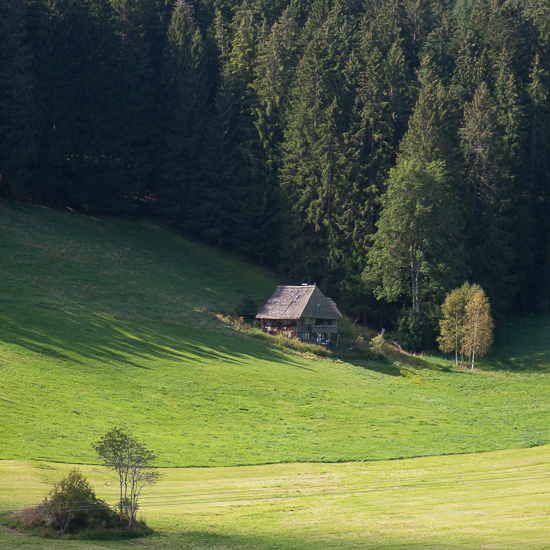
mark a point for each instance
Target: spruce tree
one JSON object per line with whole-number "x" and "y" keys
{"x": 538, "y": 115}
{"x": 273, "y": 71}
{"x": 61, "y": 37}
{"x": 221, "y": 162}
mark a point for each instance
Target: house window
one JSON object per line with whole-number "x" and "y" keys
{"x": 327, "y": 337}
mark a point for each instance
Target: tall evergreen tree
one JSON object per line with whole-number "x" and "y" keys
{"x": 381, "y": 104}
{"x": 61, "y": 38}
{"x": 431, "y": 135}
{"x": 274, "y": 71}
{"x": 186, "y": 96}
{"x": 538, "y": 114}
{"x": 221, "y": 165}
{"x": 18, "y": 133}
{"x": 418, "y": 250}
{"x": 312, "y": 168}
{"x": 130, "y": 102}
{"x": 491, "y": 189}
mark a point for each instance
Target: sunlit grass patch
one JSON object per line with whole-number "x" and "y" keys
{"x": 494, "y": 500}
{"x": 116, "y": 337}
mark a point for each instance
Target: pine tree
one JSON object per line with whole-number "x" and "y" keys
{"x": 373, "y": 137}
{"x": 500, "y": 27}
{"x": 538, "y": 111}
{"x": 538, "y": 114}
{"x": 221, "y": 163}
{"x": 419, "y": 24}
{"x": 471, "y": 68}
{"x": 386, "y": 20}
{"x": 431, "y": 135}
{"x": 441, "y": 44}
{"x": 427, "y": 163}
{"x": 462, "y": 12}
{"x": 253, "y": 206}
{"x": 371, "y": 144}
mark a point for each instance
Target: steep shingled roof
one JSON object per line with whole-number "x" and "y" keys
{"x": 293, "y": 302}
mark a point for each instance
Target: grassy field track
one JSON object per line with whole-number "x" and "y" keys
{"x": 498, "y": 500}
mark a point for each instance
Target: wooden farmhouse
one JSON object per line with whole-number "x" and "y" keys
{"x": 302, "y": 312}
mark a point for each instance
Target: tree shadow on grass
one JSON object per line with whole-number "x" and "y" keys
{"x": 398, "y": 364}
{"x": 525, "y": 363}
{"x": 381, "y": 367}
{"x": 522, "y": 346}
{"x": 79, "y": 338}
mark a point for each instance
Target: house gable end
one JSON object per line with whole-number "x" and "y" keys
{"x": 320, "y": 307}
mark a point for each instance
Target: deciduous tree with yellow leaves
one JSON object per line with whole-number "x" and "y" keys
{"x": 467, "y": 324}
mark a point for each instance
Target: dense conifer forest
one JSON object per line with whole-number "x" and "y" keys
{"x": 388, "y": 150}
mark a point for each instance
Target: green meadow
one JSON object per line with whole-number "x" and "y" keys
{"x": 102, "y": 325}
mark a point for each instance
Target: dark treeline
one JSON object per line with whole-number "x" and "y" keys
{"x": 387, "y": 150}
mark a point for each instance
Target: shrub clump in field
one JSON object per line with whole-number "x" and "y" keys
{"x": 72, "y": 503}
{"x": 72, "y": 510}
{"x": 415, "y": 332}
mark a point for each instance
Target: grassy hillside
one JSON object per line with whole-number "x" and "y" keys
{"x": 493, "y": 501}
{"x": 99, "y": 327}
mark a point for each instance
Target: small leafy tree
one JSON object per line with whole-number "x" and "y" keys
{"x": 478, "y": 329}
{"x": 454, "y": 318}
{"x": 467, "y": 325}
{"x": 72, "y": 499}
{"x": 132, "y": 461}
